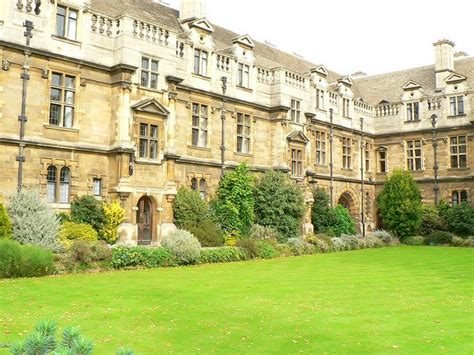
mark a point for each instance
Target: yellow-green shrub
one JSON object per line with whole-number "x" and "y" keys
{"x": 71, "y": 231}
{"x": 114, "y": 216}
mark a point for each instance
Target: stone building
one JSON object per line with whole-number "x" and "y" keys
{"x": 130, "y": 100}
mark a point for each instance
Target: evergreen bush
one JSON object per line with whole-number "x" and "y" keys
{"x": 414, "y": 241}
{"x": 300, "y": 247}
{"x": 320, "y": 213}
{"x": 6, "y": 230}
{"x": 460, "y": 219}
{"x": 431, "y": 221}
{"x": 339, "y": 222}
{"x": 384, "y": 236}
{"x": 88, "y": 210}
{"x": 70, "y": 231}
{"x": 33, "y": 220}
{"x": 279, "y": 204}
{"x": 184, "y": 247}
{"x": 263, "y": 233}
{"x": 439, "y": 238}
{"x": 189, "y": 208}
{"x": 123, "y": 257}
{"x": 207, "y": 232}
{"x": 222, "y": 255}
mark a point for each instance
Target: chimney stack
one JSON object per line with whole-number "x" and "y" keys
{"x": 192, "y": 9}
{"x": 444, "y": 61}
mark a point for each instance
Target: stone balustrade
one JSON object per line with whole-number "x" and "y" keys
{"x": 265, "y": 76}
{"x": 295, "y": 80}
{"x": 150, "y": 32}
{"x": 363, "y": 108}
{"x": 180, "y": 49}
{"x": 385, "y": 110}
{"x": 103, "y": 25}
{"x": 433, "y": 103}
{"x": 223, "y": 63}
{"x": 28, "y": 6}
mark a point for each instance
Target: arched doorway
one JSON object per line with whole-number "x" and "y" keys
{"x": 145, "y": 221}
{"x": 347, "y": 201}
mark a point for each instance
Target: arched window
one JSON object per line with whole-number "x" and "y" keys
{"x": 455, "y": 198}
{"x": 202, "y": 188}
{"x": 463, "y": 196}
{"x": 194, "y": 184}
{"x": 51, "y": 184}
{"x": 64, "y": 183}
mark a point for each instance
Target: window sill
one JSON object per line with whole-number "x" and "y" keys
{"x": 204, "y": 149}
{"x": 321, "y": 165}
{"x": 416, "y": 171}
{"x": 59, "y": 128}
{"x": 296, "y": 177}
{"x": 413, "y": 121}
{"x": 199, "y": 76}
{"x": 457, "y": 116}
{"x": 244, "y": 88}
{"x": 382, "y": 173}
{"x": 347, "y": 169}
{"x": 60, "y": 206}
{"x": 467, "y": 168}
{"x": 142, "y": 161}
{"x": 67, "y": 40}
{"x": 347, "y": 117}
{"x": 248, "y": 155}
{"x": 321, "y": 109}
{"x": 144, "y": 88}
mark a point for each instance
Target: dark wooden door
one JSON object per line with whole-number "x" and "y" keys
{"x": 145, "y": 221}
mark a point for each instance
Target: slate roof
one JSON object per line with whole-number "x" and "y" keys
{"x": 372, "y": 89}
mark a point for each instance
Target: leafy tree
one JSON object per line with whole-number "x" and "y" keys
{"x": 189, "y": 208}
{"x": 233, "y": 208}
{"x": 320, "y": 210}
{"x": 339, "y": 222}
{"x": 279, "y": 203}
{"x": 460, "y": 219}
{"x": 431, "y": 221}
{"x": 6, "y": 230}
{"x": 33, "y": 220}
{"x": 114, "y": 216}
{"x": 88, "y": 209}
{"x": 400, "y": 204}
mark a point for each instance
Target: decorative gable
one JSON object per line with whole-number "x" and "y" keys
{"x": 321, "y": 70}
{"x": 411, "y": 85}
{"x": 202, "y": 24}
{"x": 298, "y": 137}
{"x": 151, "y": 106}
{"x": 244, "y": 40}
{"x": 455, "y": 78}
{"x": 346, "y": 81}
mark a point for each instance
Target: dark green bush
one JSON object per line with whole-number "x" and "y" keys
{"x": 439, "y": 238}
{"x": 6, "y": 229}
{"x": 460, "y": 219}
{"x": 258, "y": 248}
{"x": 267, "y": 250}
{"x": 250, "y": 246}
{"x": 339, "y": 222}
{"x": 141, "y": 257}
{"x": 431, "y": 221}
{"x": 18, "y": 260}
{"x": 64, "y": 217}
{"x": 320, "y": 211}
{"x": 222, "y": 255}
{"x": 88, "y": 210}
{"x": 414, "y": 241}
{"x": 189, "y": 208}
{"x": 207, "y": 232}
{"x": 279, "y": 203}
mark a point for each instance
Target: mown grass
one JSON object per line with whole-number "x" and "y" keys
{"x": 400, "y": 300}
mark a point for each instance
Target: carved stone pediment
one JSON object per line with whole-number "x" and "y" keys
{"x": 202, "y": 24}
{"x": 411, "y": 85}
{"x": 244, "y": 40}
{"x": 151, "y": 106}
{"x": 297, "y": 137}
{"x": 321, "y": 70}
{"x": 455, "y": 78}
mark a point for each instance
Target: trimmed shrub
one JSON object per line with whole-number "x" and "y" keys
{"x": 460, "y": 219}
{"x": 189, "y": 209}
{"x": 71, "y": 231}
{"x": 222, "y": 255}
{"x": 114, "y": 216}
{"x": 233, "y": 208}
{"x": 301, "y": 247}
{"x": 184, "y": 247}
{"x": 339, "y": 245}
{"x": 439, "y": 238}
{"x": 340, "y": 222}
{"x": 279, "y": 203}
{"x": 18, "y": 260}
{"x": 320, "y": 211}
{"x": 322, "y": 242}
{"x": 6, "y": 230}
{"x": 207, "y": 232}
{"x": 458, "y": 242}
{"x": 85, "y": 252}
{"x": 250, "y": 246}
{"x": 431, "y": 221}
{"x": 34, "y": 221}
{"x": 351, "y": 241}
{"x": 123, "y": 257}
{"x": 400, "y": 204}
{"x": 263, "y": 233}
{"x": 267, "y": 250}
{"x": 285, "y": 250}
{"x": 414, "y": 241}
{"x": 88, "y": 210}
{"x": 370, "y": 242}
{"x": 384, "y": 236}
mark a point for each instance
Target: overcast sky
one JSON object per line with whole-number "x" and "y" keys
{"x": 351, "y": 35}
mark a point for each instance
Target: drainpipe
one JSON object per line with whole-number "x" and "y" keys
{"x": 331, "y": 165}
{"x": 362, "y": 199}
{"x": 25, "y": 76}
{"x": 434, "y": 120}
{"x": 223, "y": 118}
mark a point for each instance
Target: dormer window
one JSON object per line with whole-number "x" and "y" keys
{"x": 200, "y": 62}
{"x": 456, "y": 104}
{"x": 149, "y": 73}
{"x": 243, "y": 74}
{"x": 413, "y": 111}
{"x": 345, "y": 107}
{"x": 295, "y": 112}
{"x": 66, "y": 22}
{"x": 320, "y": 99}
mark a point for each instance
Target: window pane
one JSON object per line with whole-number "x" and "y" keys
{"x": 144, "y": 79}
{"x": 143, "y": 130}
{"x": 70, "y": 82}
{"x": 203, "y": 138}
{"x": 54, "y": 114}
{"x": 56, "y": 79}
{"x": 153, "y": 149}
{"x": 61, "y": 21}
{"x": 72, "y": 27}
{"x": 195, "y": 138}
{"x": 69, "y": 99}
{"x": 51, "y": 192}
{"x": 97, "y": 187}
{"x": 195, "y": 121}
{"x": 154, "y": 65}
{"x": 154, "y": 132}
{"x": 195, "y": 109}
{"x": 68, "y": 117}
{"x": 196, "y": 61}
{"x": 463, "y": 196}
{"x": 460, "y": 105}
{"x": 143, "y": 148}
{"x": 145, "y": 63}
{"x": 462, "y": 161}
{"x": 55, "y": 94}
{"x": 154, "y": 81}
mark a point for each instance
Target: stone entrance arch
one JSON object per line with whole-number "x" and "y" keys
{"x": 349, "y": 203}
{"x": 145, "y": 220}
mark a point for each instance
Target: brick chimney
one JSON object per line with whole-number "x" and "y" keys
{"x": 192, "y": 9}
{"x": 444, "y": 61}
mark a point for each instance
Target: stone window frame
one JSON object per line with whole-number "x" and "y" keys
{"x": 103, "y": 188}
{"x": 367, "y": 165}
{"x": 346, "y": 103}
{"x": 320, "y": 95}
{"x": 295, "y": 110}
{"x": 243, "y": 132}
{"x": 67, "y": 21}
{"x": 380, "y": 160}
{"x": 149, "y": 138}
{"x": 200, "y": 182}
{"x": 149, "y": 71}
{"x": 454, "y": 106}
{"x": 59, "y": 165}
{"x": 412, "y": 158}
{"x": 458, "y": 154}
{"x": 459, "y": 196}
{"x": 347, "y": 157}
{"x": 413, "y": 111}
{"x": 200, "y": 125}
{"x": 200, "y": 62}
{"x": 296, "y": 160}
{"x": 62, "y": 102}
{"x": 243, "y": 75}
{"x": 321, "y": 148}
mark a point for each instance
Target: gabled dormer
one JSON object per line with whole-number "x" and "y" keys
{"x": 320, "y": 70}
{"x": 347, "y": 81}
{"x": 412, "y": 90}
{"x": 244, "y": 41}
{"x": 319, "y": 76}
{"x": 151, "y": 106}
{"x": 202, "y": 24}
{"x": 411, "y": 85}
{"x": 297, "y": 137}
{"x": 242, "y": 49}
{"x": 455, "y": 78}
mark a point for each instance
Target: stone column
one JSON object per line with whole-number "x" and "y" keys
{"x": 308, "y": 227}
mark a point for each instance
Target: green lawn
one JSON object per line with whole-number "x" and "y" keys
{"x": 392, "y": 300}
